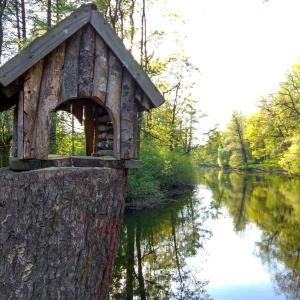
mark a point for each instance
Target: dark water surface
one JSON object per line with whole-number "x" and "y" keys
{"x": 236, "y": 236}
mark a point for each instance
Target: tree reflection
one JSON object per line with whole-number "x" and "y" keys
{"x": 272, "y": 202}
{"x": 154, "y": 246}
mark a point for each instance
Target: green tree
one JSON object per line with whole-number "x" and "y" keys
{"x": 208, "y": 153}
{"x": 235, "y": 142}
{"x": 6, "y": 130}
{"x": 291, "y": 158}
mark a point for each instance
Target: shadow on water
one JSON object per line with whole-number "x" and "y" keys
{"x": 154, "y": 245}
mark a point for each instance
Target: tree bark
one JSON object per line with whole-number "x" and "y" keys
{"x": 59, "y": 232}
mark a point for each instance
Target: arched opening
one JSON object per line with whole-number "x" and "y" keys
{"x": 82, "y": 127}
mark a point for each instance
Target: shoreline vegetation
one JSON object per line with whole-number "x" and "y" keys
{"x": 170, "y": 194}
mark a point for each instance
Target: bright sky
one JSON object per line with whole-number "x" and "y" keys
{"x": 243, "y": 49}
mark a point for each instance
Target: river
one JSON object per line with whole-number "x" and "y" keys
{"x": 235, "y": 236}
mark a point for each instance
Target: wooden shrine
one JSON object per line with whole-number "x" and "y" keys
{"x": 82, "y": 67}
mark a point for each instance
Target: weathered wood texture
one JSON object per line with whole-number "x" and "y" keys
{"x": 20, "y": 126}
{"x": 136, "y": 71}
{"x": 128, "y": 117}
{"x": 45, "y": 44}
{"x": 100, "y": 69}
{"x": 89, "y": 129}
{"x": 59, "y": 232}
{"x": 86, "y": 62}
{"x": 113, "y": 99}
{"x": 85, "y": 69}
{"x": 48, "y": 99}
{"x": 70, "y": 77}
{"x": 31, "y": 99}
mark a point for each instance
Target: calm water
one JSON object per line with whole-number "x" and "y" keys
{"x": 234, "y": 237}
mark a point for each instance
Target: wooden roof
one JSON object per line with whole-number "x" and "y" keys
{"x": 42, "y": 46}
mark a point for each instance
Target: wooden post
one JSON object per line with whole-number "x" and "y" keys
{"x": 70, "y": 76}
{"x": 15, "y": 134}
{"x": 20, "y": 138}
{"x": 89, "y": 129}
{"x": 31, "y": 97}
{"x": 128, "y": 116}
{"x": 100, "y": 69}
{"x": 48, "y": 99}
{"x": 113, "y": 98}
{"x": 86, "y": 62}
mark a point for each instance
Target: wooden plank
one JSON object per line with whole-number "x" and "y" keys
{"x": 100, "y": 69}
{"x": 113, "y": 97}
{"x": 42, "y": 46}
{"x": 13, "y": 87}
{"x": 117, "y": 46}
{"x": 136, "y": 132}
{"x": 15, "y": 133}
{"x": 48, "y": 99}
{"x": 70, "y": 77}
{"x": 89, "y": 129}
{"x": 77, "y": 111}
{"x": 128, "y": 116}
{"x": 138, "y": 137}
{"x": 31, "y": 97}
{"x": 143, "y": 101}
{"x": 86, "y": 62}
{"x": 20, "y": 125}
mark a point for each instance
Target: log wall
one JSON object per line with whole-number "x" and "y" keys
{"x": 82, "y": 67}
{"x": 59, "y": 232}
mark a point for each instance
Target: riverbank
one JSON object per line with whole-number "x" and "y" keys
{"x": 253, "y": 169}
{"x": 168, "y": 197}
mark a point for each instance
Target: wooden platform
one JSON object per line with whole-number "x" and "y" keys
{"x": 72, "y": 161}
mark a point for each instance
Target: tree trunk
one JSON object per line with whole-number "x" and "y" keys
{"x": 59, "y": 232}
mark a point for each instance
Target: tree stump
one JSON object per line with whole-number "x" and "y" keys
{"x": 59, "y": 230}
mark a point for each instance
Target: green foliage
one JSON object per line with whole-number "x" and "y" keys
{"x": 291, "y": 158}
{"x": 236, "y": 161}
{"x": 208, "y": 153}
{"x": 162, "y": 169}
{"x": 66, "y": 136}
{"x": 223, "y": 158}
{"x": 269, "y": 137}
{"x": 235, "y": 142}
{"x": 6, "y": 130}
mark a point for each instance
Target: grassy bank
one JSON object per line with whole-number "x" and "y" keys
{"x": 162, "y": 171}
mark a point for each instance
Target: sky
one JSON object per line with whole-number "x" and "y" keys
{"x": 243, "y": 49}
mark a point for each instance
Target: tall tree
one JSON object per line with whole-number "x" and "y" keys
{"x": 234, "y": 140}
{"x": 2, "y": 10}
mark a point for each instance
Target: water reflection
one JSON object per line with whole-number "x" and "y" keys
{"x": 154, "y": 245}
{"x": 241, "y": 229}
{"x": 272, "y": 203}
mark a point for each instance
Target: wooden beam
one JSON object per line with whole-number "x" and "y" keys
{"x": 113, "y": 97}
{"x": 13, "y": 87}
{"x": 128, "y": 117}
{"x": 70, "y": 77}
{"x": 14, "y": 147}
{"x": 100, "y": 69}
{"x": 20, "y": 130}
{"x": 142, "y": 100}
{"x": 86, "y": 62}
{"x": 117, "y": 46}
{"x": 48, "y": 99}
{"x": 42, "y": 46}
{"x": 89, "y": 129}
{"x": 31, "y": 98}
{"x": 77, "y": 111}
